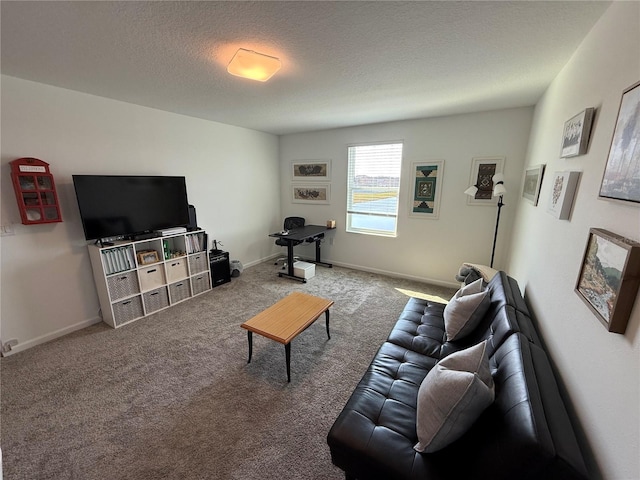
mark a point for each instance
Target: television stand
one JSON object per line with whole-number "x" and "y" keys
{"x": 135, "y": 278}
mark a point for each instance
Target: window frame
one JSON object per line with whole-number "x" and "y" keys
{"x": 350, "y": 211}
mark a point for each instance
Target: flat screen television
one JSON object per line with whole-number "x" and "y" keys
{"x": 120, "y": 205}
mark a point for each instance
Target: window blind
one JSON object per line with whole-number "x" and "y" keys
{"x": 373, "y": 188}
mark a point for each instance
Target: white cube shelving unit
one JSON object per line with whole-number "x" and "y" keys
{"x": 137, "y": 278}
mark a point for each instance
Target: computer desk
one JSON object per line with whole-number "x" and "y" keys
{"x": 308, "y": 233}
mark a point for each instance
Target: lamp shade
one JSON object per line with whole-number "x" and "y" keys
{"x": 471, "y": 191}
{"x": 498, "y": 189}
{"x": 253, "y": 65}
{"x": 498, "y": 177}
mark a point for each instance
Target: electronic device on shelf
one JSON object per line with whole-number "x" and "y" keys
{"x": 172, "y": 231}
{"x": 122, "y": 205}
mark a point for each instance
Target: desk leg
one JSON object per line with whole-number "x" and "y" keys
{"x": 326, "y": 314}
{"x": 318, "y": 261}
{"x": 290, "y": 258}
{"x": 250, "y": 338}
{"x": 290, "y": 273}
{"x": 287, "y": 354}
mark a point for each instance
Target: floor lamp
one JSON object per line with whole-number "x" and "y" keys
{"x": 498, "y": 191}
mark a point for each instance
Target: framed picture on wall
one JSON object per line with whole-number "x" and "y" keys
{"x": 426, "y": 188}
{"x": 621, "y": 179}
{"x": 563, "y": 189}
{"x": 317, "y": 194}
{"x": 482, "y": 171}
{"x": 575, "y": 137}
{"x": 609, "y": 278}
{"x": 532, "y": 183}
{"x": 311, "y": 170}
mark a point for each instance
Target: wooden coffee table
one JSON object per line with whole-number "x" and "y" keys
{"x": 284, "y": 320}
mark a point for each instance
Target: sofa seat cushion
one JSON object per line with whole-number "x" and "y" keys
{"x": 379, "y": 419}
{"x": 395, "y": 374}
{"x": 420, "y": 328}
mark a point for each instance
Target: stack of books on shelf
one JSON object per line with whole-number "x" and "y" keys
{"x": 118, "y": 259}
{"x": 195, "y": 243}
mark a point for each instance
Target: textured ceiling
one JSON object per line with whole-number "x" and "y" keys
{"x": 343, "y": 63}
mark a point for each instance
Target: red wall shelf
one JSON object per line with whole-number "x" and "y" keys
{"x": 35, "y": 191}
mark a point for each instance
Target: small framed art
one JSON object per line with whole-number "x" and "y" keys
{"x": 575, "y": 138}
{"x": 317, "y": 194}
{"x": 609, "y": 278}
{"x": 427, "y": 184}
{"x": 145, "y": 257}
{"x": 563, "y": 189}
{"x": 311, "y": 170}
{"x": 532, "y": 183}
{"x": 482, "y": 171}
{"x": 621, "y": 179}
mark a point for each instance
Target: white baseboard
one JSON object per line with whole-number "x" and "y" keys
{"x": 262, "y": 260}
{"x": 432, "y": 281}
{"x": 52, "y": 336}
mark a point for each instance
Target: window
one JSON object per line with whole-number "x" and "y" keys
{"x": 373, "y": 187}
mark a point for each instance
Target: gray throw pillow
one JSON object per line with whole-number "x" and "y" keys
{"x": 452, "y": 396}
{"x": 465, "y": 310}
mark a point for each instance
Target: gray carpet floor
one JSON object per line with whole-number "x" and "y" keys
{"x": 171, "y": 396}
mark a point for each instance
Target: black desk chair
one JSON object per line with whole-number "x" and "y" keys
{"x": 289, "y": 223}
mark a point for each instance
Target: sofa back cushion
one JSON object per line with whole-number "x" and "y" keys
{"x": 525, "y": 433}
{"x": 505, "y": 290}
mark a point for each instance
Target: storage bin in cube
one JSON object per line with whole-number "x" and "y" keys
{"x": 304, "y": 270}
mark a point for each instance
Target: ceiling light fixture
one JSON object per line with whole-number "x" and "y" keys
{"x": 253, "y": 65}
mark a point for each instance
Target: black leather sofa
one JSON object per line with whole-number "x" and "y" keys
{"x": 525, "y": 434}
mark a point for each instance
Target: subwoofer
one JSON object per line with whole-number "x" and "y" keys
{"x": 219, "y": 265}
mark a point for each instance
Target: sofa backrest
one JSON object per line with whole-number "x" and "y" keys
{"x": 527, "y": 429}
{"x": 421, "y": 328}
{"x": 526, "y": 432}
{"x": 507, "y": 314}
{"x": 505, "y": 289}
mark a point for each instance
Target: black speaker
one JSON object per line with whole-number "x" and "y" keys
{"x": 193, "y": 223}
{"x": 219, "y": 264}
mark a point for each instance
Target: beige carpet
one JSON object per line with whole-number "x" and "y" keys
{"x": 172, "y": 396}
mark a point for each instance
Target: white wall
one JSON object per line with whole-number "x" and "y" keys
{"x": 424, "y": 249}
{"x": 47, "y": 284}
{"x": 599, "y": 369}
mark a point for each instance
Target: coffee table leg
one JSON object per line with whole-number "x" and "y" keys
{"x": 287, "y": 354}
{"x": 250, "y": 338}
{"x": 326, "y": 314}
